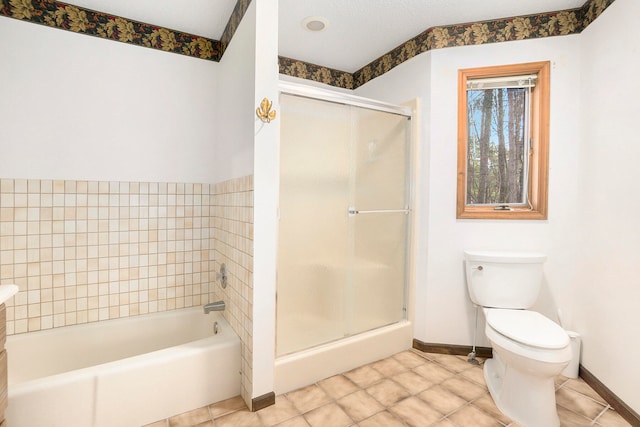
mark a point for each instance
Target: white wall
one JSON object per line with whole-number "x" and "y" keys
{"x": 266, "y": 183}
{"x": 592, "y": 234}
{"x": 79, "y": 107}
{"x": 235, "y": 90}
{"x": 444, "y": 313}
{"x": 606, "y": 304}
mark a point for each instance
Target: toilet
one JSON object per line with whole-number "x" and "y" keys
{"x": 529, "y": 350}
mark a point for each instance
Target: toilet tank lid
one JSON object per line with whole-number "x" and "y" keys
{"x": 505, "y": 257}
{"x": 528, "y": 327}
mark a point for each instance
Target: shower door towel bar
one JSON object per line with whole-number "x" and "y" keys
{"x": 354, "y": 211}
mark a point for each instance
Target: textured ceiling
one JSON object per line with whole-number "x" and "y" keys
{"x": 362, "y": 30}
{"x": 359, "y": 31}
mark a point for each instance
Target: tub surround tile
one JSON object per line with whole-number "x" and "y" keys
{"x": 232, "y": 207}
{"x": 84, "y": 251}
{"x": 339, "y": 400}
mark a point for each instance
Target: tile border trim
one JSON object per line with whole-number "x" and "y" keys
{"x": 612, "y": 399}
{"x": 549, "y": 24}
{"x": 263, "y": 401}
{"x": 451, "y": 349}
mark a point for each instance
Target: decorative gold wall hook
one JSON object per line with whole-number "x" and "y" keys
{"x": 264, "y": 112}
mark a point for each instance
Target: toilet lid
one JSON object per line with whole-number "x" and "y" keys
{"x": 528, "y": 327}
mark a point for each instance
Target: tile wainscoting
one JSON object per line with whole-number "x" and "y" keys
{"x": 87, "y": 251}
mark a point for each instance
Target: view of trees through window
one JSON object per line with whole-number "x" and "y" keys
{"x": 496, "y": 159}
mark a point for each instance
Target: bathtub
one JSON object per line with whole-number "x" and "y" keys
{"x": 123, "y": 372}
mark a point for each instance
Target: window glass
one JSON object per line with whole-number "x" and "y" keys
{"x": 497, "y": 167}
{"x": 503, "y": 141}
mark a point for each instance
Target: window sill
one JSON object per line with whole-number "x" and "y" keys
{"x": 470, "y": 212}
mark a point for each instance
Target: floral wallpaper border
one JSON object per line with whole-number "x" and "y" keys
{"x": 564, "y": 22}
{"x": 234, "y": 22}
{"x": 85, "y": 21}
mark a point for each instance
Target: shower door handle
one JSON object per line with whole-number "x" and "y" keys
{"x": 354, "y": 211}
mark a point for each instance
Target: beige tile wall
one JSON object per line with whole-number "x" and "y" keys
{"x": 85, "y": 251}
{"x": 233, "y": 224}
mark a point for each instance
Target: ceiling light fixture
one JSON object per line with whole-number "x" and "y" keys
{"x": 315, "y": 23}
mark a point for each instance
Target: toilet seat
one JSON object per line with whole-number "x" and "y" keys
{"x": 529, "y": 328}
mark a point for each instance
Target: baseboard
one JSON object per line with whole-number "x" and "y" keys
{"x": 263, "y": 401}
{"x": 453, "y": 349}
{"x": 616, "y": 403}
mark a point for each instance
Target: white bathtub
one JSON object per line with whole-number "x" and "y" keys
{"x": 123, "y": 372}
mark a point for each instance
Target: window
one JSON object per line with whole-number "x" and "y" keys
{"x": 503, "y": 141}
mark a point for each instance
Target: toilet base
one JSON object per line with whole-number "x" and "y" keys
{"x": 527, "y": 399}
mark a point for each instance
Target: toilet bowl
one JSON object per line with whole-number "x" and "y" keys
{"x": 529, "y": 350}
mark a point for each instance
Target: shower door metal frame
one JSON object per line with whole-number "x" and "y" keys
{"x": 370, "y": 104}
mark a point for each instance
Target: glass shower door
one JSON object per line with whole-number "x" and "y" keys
{"x": 378, "y": 219}
{"x": 341, "y": 264}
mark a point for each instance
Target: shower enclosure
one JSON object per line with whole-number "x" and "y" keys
{"x": 344, "y": 218}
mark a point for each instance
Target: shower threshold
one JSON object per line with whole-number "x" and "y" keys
{"x": 306, "y": 367}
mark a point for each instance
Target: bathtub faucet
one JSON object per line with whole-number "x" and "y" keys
{"x": 214, "y": 306}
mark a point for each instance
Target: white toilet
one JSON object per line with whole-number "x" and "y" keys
{"x": 529, "y": 350}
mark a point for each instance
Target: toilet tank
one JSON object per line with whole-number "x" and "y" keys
{"x": 504, "y": 279}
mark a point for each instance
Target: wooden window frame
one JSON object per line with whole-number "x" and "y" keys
{"x": 539, "y": 155}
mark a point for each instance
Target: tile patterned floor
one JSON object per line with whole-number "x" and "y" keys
{"x": 409, "y": 389}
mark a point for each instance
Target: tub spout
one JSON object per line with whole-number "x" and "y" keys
{"x": 214, "y": 306}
